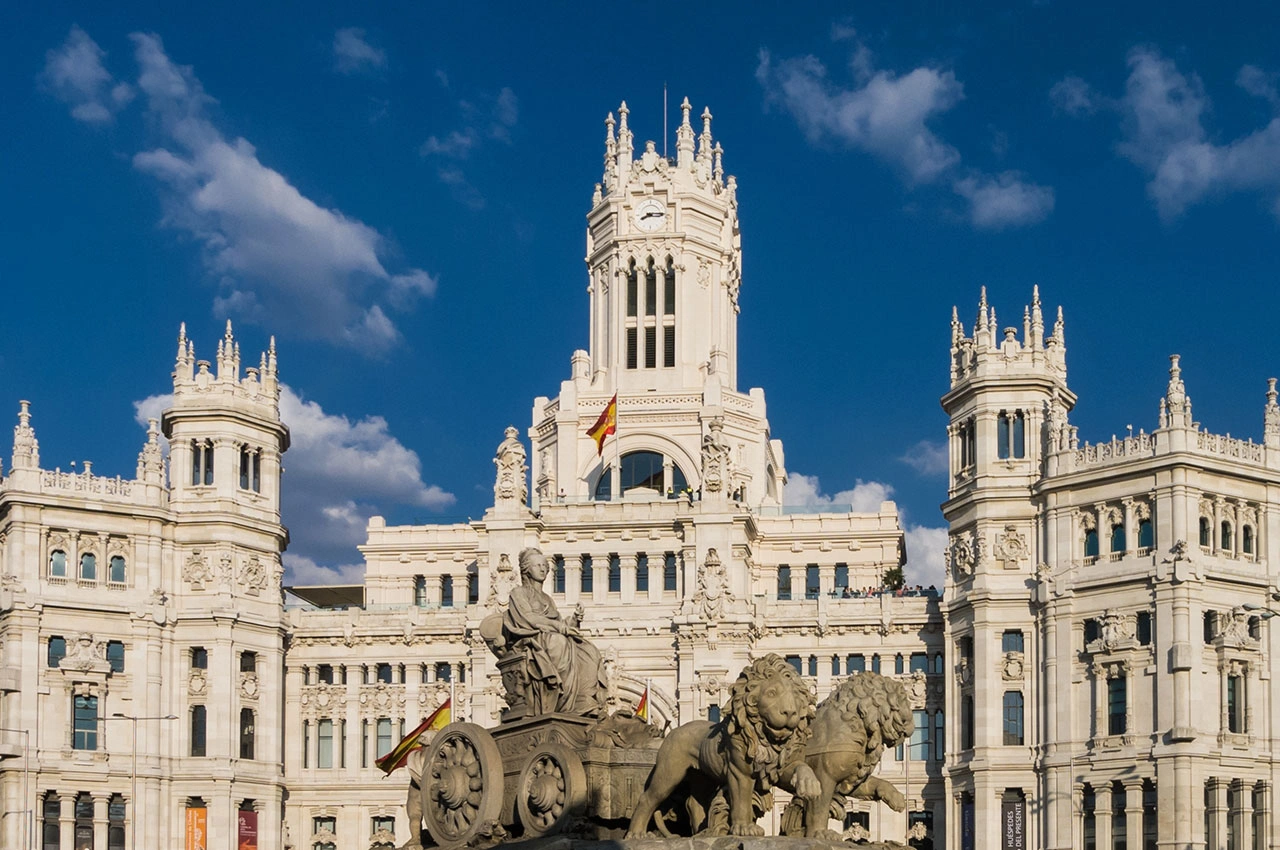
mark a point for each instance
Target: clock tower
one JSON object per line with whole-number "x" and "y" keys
{"x": 664, "y": 266}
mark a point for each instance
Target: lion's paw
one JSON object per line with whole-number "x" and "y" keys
{"x": 749, "y": 830}
{"x": 894, "y": 799}
{"x": 828, "y": 835}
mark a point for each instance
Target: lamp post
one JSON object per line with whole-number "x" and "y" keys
{"x": 26, "y": 773}
{"x": 133, "y": 770}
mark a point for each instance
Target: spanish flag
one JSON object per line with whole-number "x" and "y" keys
{"x": 399, "y": 754}
{"x": 607, "y": 424}
{"x": 642, "y": 707}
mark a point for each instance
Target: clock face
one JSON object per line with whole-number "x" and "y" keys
{"x": 650, "y": 215}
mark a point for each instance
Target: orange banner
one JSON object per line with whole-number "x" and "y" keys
{"x": 197, "y": 828}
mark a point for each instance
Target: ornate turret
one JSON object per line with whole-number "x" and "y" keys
{"x": 26, "y": 449}
{"x": 1271, "y": 417}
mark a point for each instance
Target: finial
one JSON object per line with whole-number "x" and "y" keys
{"x": 272, "y": 347}
{"x": 608, "y": 123}
{"x": 717, "y": 170}
{"x": 1271, "y": 391}
{"x": 1035, "y": 295}
{"x": 981, "y": 324}
{"x": 227, "y": 335}
{"x": 623, "y": 112}
{"x": 706, "y": 119}
{"x": 1175, "y": 368}
{"x": 684, "y": 109}
{"x": 24, "y": 413}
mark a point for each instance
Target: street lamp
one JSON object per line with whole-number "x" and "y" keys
{"x": 26, "y": 773}
{"x": 133, "y": 770}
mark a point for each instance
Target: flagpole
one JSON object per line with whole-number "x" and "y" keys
{"x": 617, "y": 450}
{"x": 453, "y": 703}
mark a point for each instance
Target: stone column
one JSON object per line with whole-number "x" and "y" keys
{"x": 1242, "y": 814}
{"x": 100, "y": 821}
{"x": 1130, "y": 528}
{"x": 1215, "y": 533}
{"x": 629, "y": 565}
{"x": 1218, "y": 812}
{"x": 67, "y": 818}
{"x": 1099, "y": 672}
{"x": 599, "y": 578}
{"x": 1133, "y": 813}
{"x": 572, "y": 579}
{"x": 1102, "y": 815}
{"x": 657, "y": 575}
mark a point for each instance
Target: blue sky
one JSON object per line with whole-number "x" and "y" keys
{"x": 398, "y": 192}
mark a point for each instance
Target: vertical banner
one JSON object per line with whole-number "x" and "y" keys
{"x": 1013, "y": 824}
{"x": 967, "y": 831}
{"x": 197, "y": 828}
{"x": 247, "y": 831}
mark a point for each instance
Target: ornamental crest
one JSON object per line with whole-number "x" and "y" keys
{"x": 197, "y": 684}
{"x": 253, "y": 576}
{"x": 959, "y": 556}
{"x": 502, "y": 583}
{"x": 1011, "y": 667}
{"x": 84, "y": 653}
{"x": 1011, "y": 547}
{"x": 196, "y": 570}
{"x": 381, "y": 699}
{"x": 713, "y": 592}
{"x": 249, "y": 685}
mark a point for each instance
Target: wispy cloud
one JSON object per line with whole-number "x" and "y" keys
{"x": 1162, "y": 113}
{"x": 339, "y": 473}
{"x": 352, "y": 52}
{"x": 273, "y": 252}
{"x": 490, "y": 118}
{"x": 1073, "y": 96}
{"x": 74, "y": 73}
{"x": 927, "y": 457}
{"x": 887, "y": 115}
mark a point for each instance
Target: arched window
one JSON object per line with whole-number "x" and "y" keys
{"x": 1091, "y": 543}
{"x": 1226, "y": 536}
{"x": 669, "y": 314}
{"x": 632, "y": 353}
{"x": 1146, "y": 534}
{"x": 116, "y": 573}
{"x": 1246, "y": 539}
{"x": 640, "y": 469}
{"x": 1206, "y": 532}
{"x": 1117, "y": 537}
{"x": 88, "y": 567}
{"x": 58, "y": 564}
{"x": 650, "y": 315}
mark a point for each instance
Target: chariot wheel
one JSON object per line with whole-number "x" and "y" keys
{"x": 552, "y": 790}
{"x": 461, "y": 784}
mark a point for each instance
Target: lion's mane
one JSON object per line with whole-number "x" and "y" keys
{"x": 879, "y": 705}
{"x": 745, "y": 725}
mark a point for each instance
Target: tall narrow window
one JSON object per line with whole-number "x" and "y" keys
{"x": 587, "y": 582}
{"x": 650, "y": 347}
{"x": 632, "y": 348}
{"x": 615, "y": 574}
{"x": 1144, "y": 628}
{"x": 558, "y": 581}
{"x": 420, "y": 591}
{"x": 1149, "y": 812}
{"x": 1235, "y": 704}
{"x": 199, "y": 719}
{"x": 1226, "y": 537}
{"x": 244, "y": 467}
{"x": 920, "y": 748}
{"x": 1019, "y": 434}
{"x": 446, "y": 591}
{"x": 632, "y": 298}
{"x": 473, "y": 587}
{"x": 875, "y": 663}
{"x": 939, "y": 735}
{"x": 1206, "y": 532}
{"x": 1117, "y": 538}
{"x": 1013, "y": 734}
{"x": 88, "y": 567}
{"x": 842, "y": 578}
{"x": 115, "y": 822}
{"x": 1089, "y": 820}
{"x": 1002, "y": 436}
{"x": 1091, "y": 543}
{"x": 57, "y": 651}
{"x": 642, "y": 573}
{"x": 199, "y": 658}
{"x": 1246, "y": 539}
{"x": 364, "y": 743}
{"x": 813, "y": 665}
{"x": 650, "y": 289}
{"x": 1117, "y": 705}
{"x": 382, "y": 673}
{"x": 669, "y": 288}
{"x": 1011, "y": 641}
{"x": 966, "y": 722}
{"x": 116, "y": 569}
{"x": 115, "y": 655}
{"x": 248, "y": 661}
{"x": 669, "y": 574}
{"x": 784, "y": 582}
{"x": 898, "y": 665}
{"x": 201, "y": 462}
{"x": 1146, "y": 534}
{"x": 669, "y": 346}
{"x": 58, "y": 564}
{"x": 342, "y": 744}
{"x": 247, "y": 732}
{"x": 811, "y": 581}
{"x": 85, "y": 827}
{"x": 384, "y": 736}
{"x": 51, "y": 822}
{"x": 84, "y": 730}
{"x": 324, "y": 743}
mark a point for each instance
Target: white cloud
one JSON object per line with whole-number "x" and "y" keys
{"x": 301, "y": 570}
{"x": 887, "y": 115}
{"x": 352, "y": 52}
{"x": 74, "y": 73}
{"x": 805, "y": 491}
{"x": 925, "y": 548}
{"x": 1004, "y": 200}
{"x": 927, "y": 458}
{"x": 338, "y": 473}
{"x": 493, "y": 117}
{"x": 1073, "y": 96}
{"x": 456, "y": 145}
{"x": 275, "y": 252}
{"x": 1162, "y": 114}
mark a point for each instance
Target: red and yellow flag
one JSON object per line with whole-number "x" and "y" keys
{"x": 399, "y": 754}
{"x": 607, "y": 424}
{"x": 642, "y": 707}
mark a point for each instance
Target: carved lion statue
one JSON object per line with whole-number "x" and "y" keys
{"x": 859, "y": 718}
{"x": 746, "y": 753}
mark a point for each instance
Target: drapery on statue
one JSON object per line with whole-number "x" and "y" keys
{"x": 564, "y": 671}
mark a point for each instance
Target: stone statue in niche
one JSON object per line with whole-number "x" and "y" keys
{"x": 546, "y": 664}
{"x": 716, "y": 462}
{"x": 713, "y": 588}
{"x": 510, "y": 486}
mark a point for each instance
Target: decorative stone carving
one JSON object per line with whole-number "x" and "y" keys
{"x": 197, "y": 684}
{"x": 249, "y": 685}
{"x": 85, "y": 653}
{"x": 1011, "y": 548}
{"x": 716, "y": 462}
{"x": 253, "y": 576}
{"x": 322, "y": 700}
{"x": 196, "y": 571}
{"x": 501, "y": 583}
{"x": 381, "y": 699}
{"x": 510, "y": 488}
{"x": 1116, "y": 632}
{"x": 382, "y": 837}
{"x": 713, "y": 592}
{"x": 1011, "y": 667}
{"x": 960, "y": 556}
{"x": 1233, "y": 629}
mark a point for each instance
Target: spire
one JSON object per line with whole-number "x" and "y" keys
{"x": 1271, "y": 416}
{"x": 957, "y": 329}
{"x": 981, "y": 324}
{"x": 717, "y": 170}
{"x": 1026, "y": 326}
{"x": 151, "y": 458}
{"x": 684, "y": 137}
{"x": 228, "y": 356}
{"x": 268, "y": 377}
{"x": 1177, "y": 402}
{"x": 184, "y": 364}
{"x": 1059, "y": 329}
{"x": 26, "y": 449}
{"x": 625, "y": 147}
{"x": 704, "y": 140}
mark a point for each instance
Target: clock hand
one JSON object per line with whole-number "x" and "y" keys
{"x": 651, "y": 214}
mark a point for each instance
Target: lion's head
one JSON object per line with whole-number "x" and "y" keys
{"x": 770, "y": 707}
{"x": 879, "y": 705}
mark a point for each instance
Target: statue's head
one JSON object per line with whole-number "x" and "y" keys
{"x": 531, "y": 561}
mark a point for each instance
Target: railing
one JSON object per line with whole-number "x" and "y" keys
{"x": 1119, "y": 449}
{"x": 84, "y": 482}
{"x": 1229, "y": 446}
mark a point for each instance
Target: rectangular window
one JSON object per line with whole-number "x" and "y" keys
{"x": 642, "y": 573}
{"x": 384, "y": 822}
{"x": 384, "y": 736}
{"x": 812, "y": 581}
{"x": 784, "y": 582}
{"x": 632, "y": 298}
{"x": 919, "y": 662}
{"x": 84, "y": 730}
{"x": 51, "y": 828}
{"x": 966, "y": 722}
{"x": 795, "y": 662}
{"x": 248, "y": 662}
{"x": 444, "y": 671}
{"x": 669, "y": 346}
{"x": 558, "y": 582}
{"x": 1117, "y": 704}
{"x": 587, "y": 582}
{"x": 364, "y": 743}
{"x": 631, "y": 347}
{"x": 813, "y": 665}
{"x": 115, "y": 822}
{"x": 1092, "y": 631}
{"x": 324, "y": 743}
{"x": 382, "y": 673}
{"x": 1019, "y": 434}
{"x": 324, "y": 673}
{"x": 669, "y": 291}
{"x": 669, "y": 572}
{"x": 199, "y": 718}
{"x": 650, "y": 347}
{"x": 1144, "y": 628}
{"x": 1002, "y": 436}
{"x": 855, "y": 664}
{"x": 1011, "y": 641}
{"x": 842, "y": 578}
{"x": 1013, "y": 704}
{"x": 446, "y": 591}
{"x": 920, "y": 748}
{"x": 615, "y": 574}
{"x": 57, "y": 651}
{"x": 650, "y": 291}
{"x": 897, "y": 664}
{"x": 58, "y": 564}
{"x": 835, "y": 665}
{"x": 473, "y": 588}
{"x": 116, "y": 569}
{"x": 713, "y": 713}
{"x": 939, "y": 735}
{"x": 1235, "y": 704}
{"x": 420, "y": 591}
{"x": 875, "y": 663}
{"x": 342, "y": 744}
{"x": 248, "y": 733}
{"x": 306, "y": 743}
{"x": 115, "y": 655}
